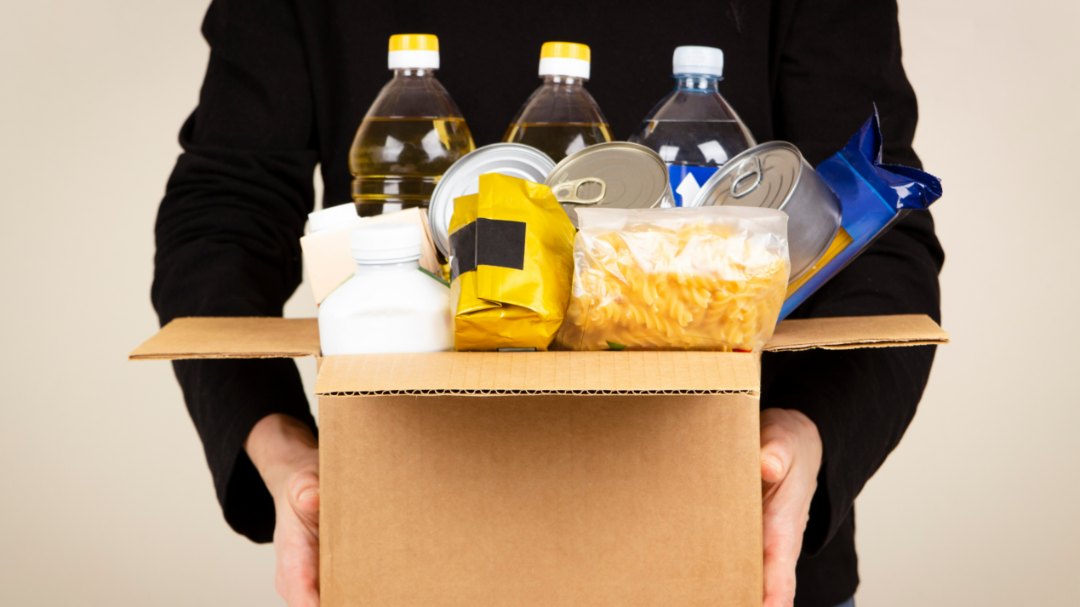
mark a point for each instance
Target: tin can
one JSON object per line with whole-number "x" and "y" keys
{"x": 775, "y": 175}
{"x": 463, "y": 178}
{"x": 614, "y": 174}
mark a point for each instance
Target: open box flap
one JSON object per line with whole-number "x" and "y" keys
{"x": 483, "y": 373}
{"x": 266, "y": 337}
{"x": 852, "y": 332}
{"x": 232, "y": 337}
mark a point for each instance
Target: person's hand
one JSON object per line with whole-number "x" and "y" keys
{"x": 287, "y": 457}
{"x": 790, "y": 460}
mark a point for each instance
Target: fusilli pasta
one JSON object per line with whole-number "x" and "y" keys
{"x": 712, "y": 278}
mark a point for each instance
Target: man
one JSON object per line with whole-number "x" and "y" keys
{"x": 287, "y": 84}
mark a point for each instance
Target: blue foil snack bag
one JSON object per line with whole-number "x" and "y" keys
{"x": 873, "y": 196}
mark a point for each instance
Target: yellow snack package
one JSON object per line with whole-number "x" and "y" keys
{"x": 511, "y": 265}
{"x": 708, "y": 278}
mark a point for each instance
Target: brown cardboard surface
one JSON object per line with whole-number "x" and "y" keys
{"x": 267, "y": 337}
{"x": 232, "y": 337}
{"x": 540, "y": 500}
{"x": 856, "y": 332}
{"x": 328, "y": 256}
{"x": 578, "y": 478}
{"x": 482, "y": 373}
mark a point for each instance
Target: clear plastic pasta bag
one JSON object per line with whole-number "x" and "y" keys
{"x": 708, "y": 278}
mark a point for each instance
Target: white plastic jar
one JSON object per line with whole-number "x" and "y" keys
{"x": 389, "y": 305}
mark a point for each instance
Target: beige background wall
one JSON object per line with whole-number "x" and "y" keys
{"x": 104, "y": 496}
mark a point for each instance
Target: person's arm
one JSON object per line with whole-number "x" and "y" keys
{"x": 227, "y": 234}
{"x": 836, "y": 60}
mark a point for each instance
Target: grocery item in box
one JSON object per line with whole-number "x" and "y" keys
{"x": 710, "y": 278}
{"x": 560, "y": 117}
{"x": 327, "y": 251}
{"x": 617, "y": 174}
{"x": 873, "y": 196}
{"x": 511, "y": 263}
{"x": 775, "y": 175}
{"x": 410, "y": 135}
{"x": 389, "y": 305}
{"x": 463, "y": 178}
{"x": 693, "y": 128}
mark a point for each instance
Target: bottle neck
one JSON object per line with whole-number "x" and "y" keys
{"x": 414, "y": 72}
{"x": 571, "y": 81}
{"x": 367, "y": 268}
{"x": 702, "y": 83}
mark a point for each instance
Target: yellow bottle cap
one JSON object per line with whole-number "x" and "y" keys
{"x": 413, "y": 51}
{"x": 414, "y": 42}
{"x": 565, "y": 59}
{"x": 565, "y": 50}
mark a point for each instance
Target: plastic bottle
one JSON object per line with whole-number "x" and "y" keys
{"x": 560, "y": 117}
{"x": 389, "y": 305}
{"x": 693, "y": 128}
{"x": 410, "y": 135}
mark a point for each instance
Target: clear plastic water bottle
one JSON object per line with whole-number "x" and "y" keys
{"x": 561, "y": 117}
{"x": 410, "y": 135}
{"x": 693, "y": 128}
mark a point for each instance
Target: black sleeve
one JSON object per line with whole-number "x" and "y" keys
{"x": 838, "y": 58}
{"x": 227, "y": 233}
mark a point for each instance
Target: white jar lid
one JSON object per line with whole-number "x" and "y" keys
{"x": 385, "y": 242}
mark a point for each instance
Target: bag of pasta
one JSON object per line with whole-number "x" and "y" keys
{"x": 708, "y": 278}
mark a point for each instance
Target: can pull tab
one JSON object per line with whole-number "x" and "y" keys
{"x": 749, "y": 168}
{"x": 570, "y": 191}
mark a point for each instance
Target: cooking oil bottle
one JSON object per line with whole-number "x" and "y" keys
{"x": 560, "y": 117}
{"x": 410, "y": 135}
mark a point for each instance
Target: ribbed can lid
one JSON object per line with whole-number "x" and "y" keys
{"x": 774, "y": 175}
{"x": 762, "y": 176}
{"x": 614, "y": 174}
{"x": 385, "y": 242}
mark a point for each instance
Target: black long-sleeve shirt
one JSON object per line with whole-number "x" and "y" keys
{"x": 289, "y": 80}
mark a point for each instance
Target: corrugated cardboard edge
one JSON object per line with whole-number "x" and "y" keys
{"x": 231, "y": 337}
{"x": 851, "y": 332}
{"x": 267, "y": 337}
{"x": 496, "y": 373}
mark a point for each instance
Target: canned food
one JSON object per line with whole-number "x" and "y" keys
{"x": 775, "y": 175}
{"x": 614, "y": 174}
{"x": 463, "y": 178}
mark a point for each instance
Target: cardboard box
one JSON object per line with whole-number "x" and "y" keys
{"x": 553, "y": 478}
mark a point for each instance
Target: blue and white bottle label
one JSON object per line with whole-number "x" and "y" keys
{"x": 686, "y": 181}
